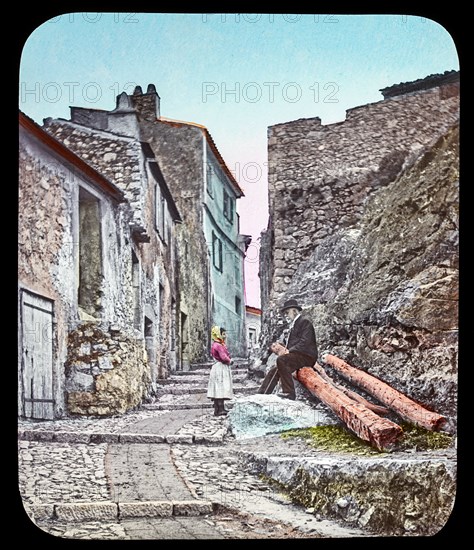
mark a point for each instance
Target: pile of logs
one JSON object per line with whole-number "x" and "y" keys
{"x": 362, "y": 417}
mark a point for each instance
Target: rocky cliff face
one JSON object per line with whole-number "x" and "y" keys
{"x": 383, "y": 293}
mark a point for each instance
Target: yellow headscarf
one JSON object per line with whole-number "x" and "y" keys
{"x": 216, "y": 335}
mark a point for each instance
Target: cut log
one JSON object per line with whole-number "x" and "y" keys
{"x": 352, "y": 394}
{"x": 380, "y": 432}
{"x": 396, "y": 401}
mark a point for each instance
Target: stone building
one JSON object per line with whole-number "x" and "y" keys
{"x": 64, "y": 277}
{"x": 210, "y": 249}
{"x": 363, "y": 231}
{"x": 133, "y": 167}
{"x": 253, "y": 317}
{"x": 97, "y": 277}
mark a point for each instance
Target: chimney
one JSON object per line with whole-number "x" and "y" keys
{"x": 123, "y": 119}
{"x": 147, "y": 105}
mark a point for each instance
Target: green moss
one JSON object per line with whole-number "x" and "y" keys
{"x": 420, "y": 439}
{"x": 332, "y": 438}
{"x": 339, "y": 439}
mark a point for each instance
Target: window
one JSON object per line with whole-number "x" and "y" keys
{"x": 173, "y": 325}
{"x": 161, "y": 302}
{"x": 210, "y": 174}
{"x": 228, "y": 207}
{"x": 170, "y": 228}
{"x": 148, "y": 333}
{"x": 184, "y": 338}
{"x": 90, "y": 253}
{"x": 167, "y": 225}
{"x": 159, "y": 212}
{"x": 237, "y": 305}
{"x": 252, "y": 337}
{"x": 216, "y": 252}
{"x": 236, "y": 274}
{"x": 136, "y": 291}
{"x": 148, "y": 328}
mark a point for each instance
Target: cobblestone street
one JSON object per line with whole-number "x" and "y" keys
{"x": 153, "y": 474}
{"x": 54, "y": 474}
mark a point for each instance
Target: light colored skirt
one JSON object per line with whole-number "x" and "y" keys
{"x": 220, "y": 382}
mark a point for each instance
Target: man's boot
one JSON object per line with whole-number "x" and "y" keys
{"x": 291, "y": 396}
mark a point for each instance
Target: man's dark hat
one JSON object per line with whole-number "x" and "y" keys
{"x": 290, "y": 303}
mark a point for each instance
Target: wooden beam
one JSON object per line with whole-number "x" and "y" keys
{"x": 404, "y": 406}
{"x": 352, "y": 394}
{"x": 380, "y": 432}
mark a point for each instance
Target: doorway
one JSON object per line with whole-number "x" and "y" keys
{"x": 184, "y": 339}
{"x": 36, "y": 377}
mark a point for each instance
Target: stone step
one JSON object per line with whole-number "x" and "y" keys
{"x": 205, "y": 371}
{"x": 180, "y": 390}
{"x": 237, "y": 362}
{"x": 196, "y": 379}
{"x": 182, "y": 406}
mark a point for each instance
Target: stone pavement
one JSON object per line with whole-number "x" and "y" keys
{"x": 153, "y": 474}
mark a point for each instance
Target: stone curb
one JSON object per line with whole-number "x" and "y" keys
{"x": 87, "y": 511}
{"x": 123, "y": 438}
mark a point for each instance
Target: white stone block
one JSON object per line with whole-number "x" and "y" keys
{"x": 150, "y": 509}
{"x": 192, "y": 508}
{"x": 81, "y": 511}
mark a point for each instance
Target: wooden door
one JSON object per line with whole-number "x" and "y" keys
{"x": 37, "y": 356}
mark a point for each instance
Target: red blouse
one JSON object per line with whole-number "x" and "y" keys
{"x": 220, "y": 353}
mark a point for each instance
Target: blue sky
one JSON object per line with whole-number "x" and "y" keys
{"x": 237, "y": 74}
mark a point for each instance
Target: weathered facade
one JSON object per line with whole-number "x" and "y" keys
{"x": 363, "y": 232}
{"x": 210, "y": 250}
{"x": 117, "y": 264}
{"x": 68, "y": 257}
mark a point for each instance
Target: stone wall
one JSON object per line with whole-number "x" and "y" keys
{"x": 44, "y": 218}
{"x": 320, "y": 176}
{"x": 45, "y": 241}
{"x": 106, "y": 371}
{"x": 117, "y": 158}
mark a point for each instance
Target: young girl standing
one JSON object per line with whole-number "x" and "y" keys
{"x": 220, "y": 379}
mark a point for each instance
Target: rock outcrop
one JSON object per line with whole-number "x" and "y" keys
{"x": 384, "y": 294}
{"x": 388, "y": 496}
{"x": 363, "y": 232}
